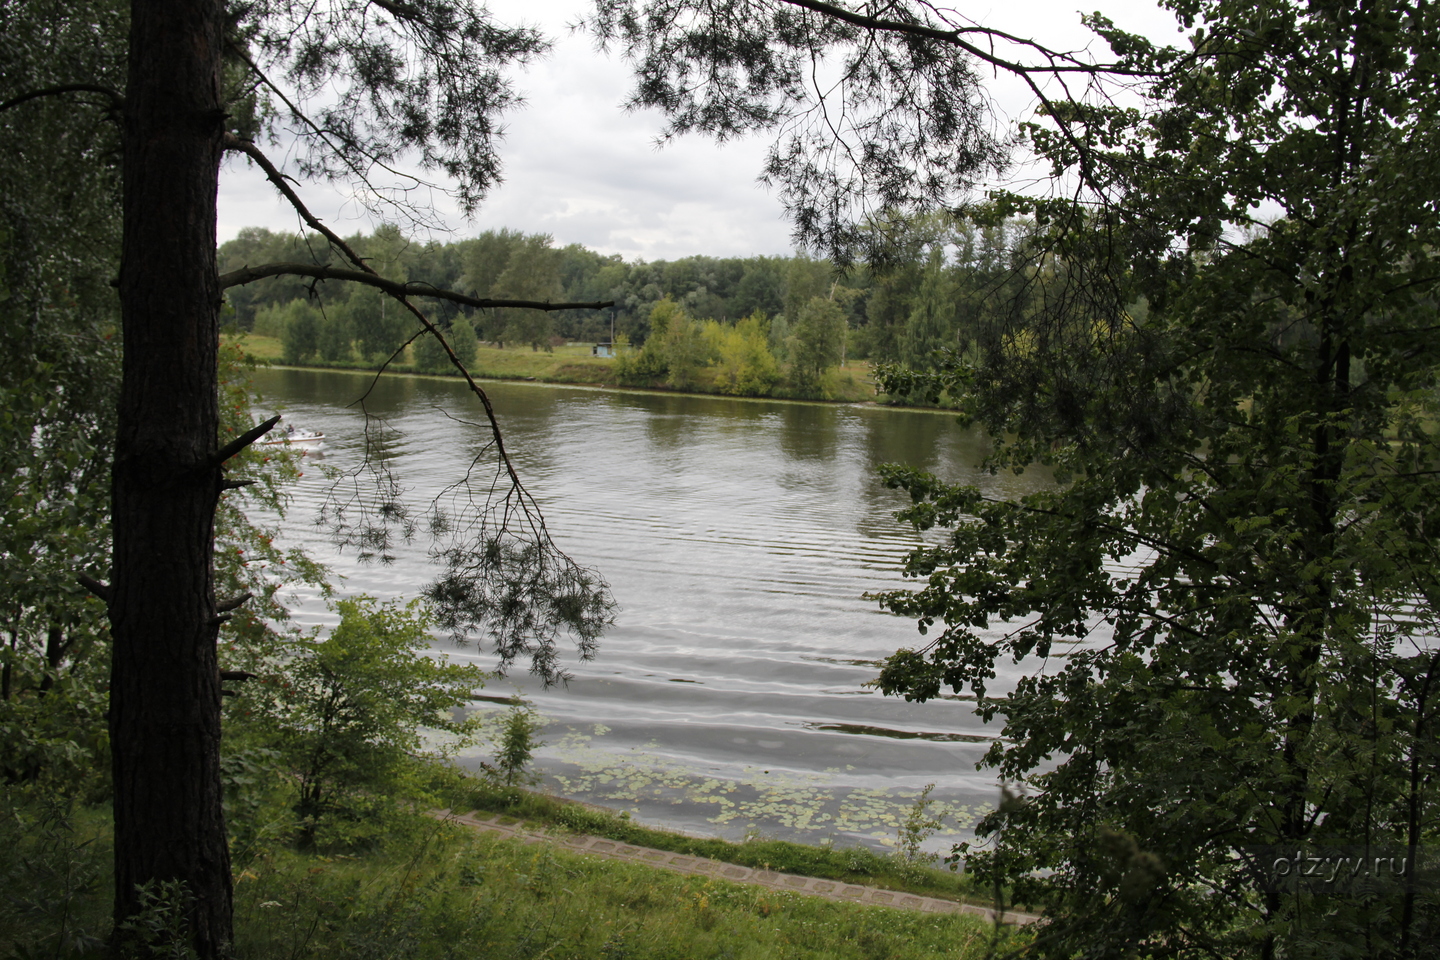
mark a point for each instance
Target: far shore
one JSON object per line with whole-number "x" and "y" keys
{"x": 575, "y": 364}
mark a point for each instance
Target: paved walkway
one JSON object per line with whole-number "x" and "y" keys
{"x": 682, "y": 863}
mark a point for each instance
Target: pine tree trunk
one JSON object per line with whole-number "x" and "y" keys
{"x": 165, "y": 685}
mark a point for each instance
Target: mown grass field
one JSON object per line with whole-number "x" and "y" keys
{"x": 572, "y": 363}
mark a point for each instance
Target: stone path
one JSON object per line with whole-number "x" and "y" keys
{"x": 682, "y": 863}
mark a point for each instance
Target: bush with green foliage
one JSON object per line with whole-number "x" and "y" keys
{"x": 650, "y": 363}
{"x": 515, "y": 744}
{"x": 53, "y": 876}
{"x": 746, "y": 367}
{"x": 687, "y": 351}
{"x": 353, "y": 715}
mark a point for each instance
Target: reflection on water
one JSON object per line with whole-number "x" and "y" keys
{"x": 738, "y": 537}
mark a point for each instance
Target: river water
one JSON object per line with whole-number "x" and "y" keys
{"x": 738, "y": 537}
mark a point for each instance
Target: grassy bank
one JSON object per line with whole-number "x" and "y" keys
{"x": 844, "y": 864}
{"x": 450, "y": 895}
{"x": 569, "y": 364}
{"x": 427, "y": 889}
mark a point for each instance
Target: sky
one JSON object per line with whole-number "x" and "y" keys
{"x": 577, "y": 166}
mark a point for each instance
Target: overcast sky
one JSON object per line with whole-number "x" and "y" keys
{"x": 580, "y": 168}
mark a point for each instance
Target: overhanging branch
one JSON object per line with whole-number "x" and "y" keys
{"x": 1059, "y": 62}
{"x": 568, "y": 578}
{"x": 117, "y": 102}
{"x": 281, "y": 183}
{"x": 244, "y": 275}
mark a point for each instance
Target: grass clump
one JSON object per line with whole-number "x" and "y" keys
{"x": 55, "y": 877}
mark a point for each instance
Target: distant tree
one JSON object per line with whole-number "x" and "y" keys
{"x": 580, "y": 277}
{"x": 662, "y": 315}
{"x": 805, "y": 280}
{"x": 257, "y": 245}
{"x": 746, "y": 367}
{"x": 299, "y": 331}
{"x": 930, "y": 325}
{"x": 687, "y": 350}
{"x": 430, "y": 356}
{"x": 379, "y": 325}
{"x": 817, "y": 343}
{"x": 760, "y": 288}
{"x": 486, "y": 257}
{"x": 269, "y": 320}
{"x": 387, "y": 251}
{"x": 335, "y": 335}
{"x": 463, "y": 341}
{"x": 531, "y": 273}
{"x": 780, "y": 340}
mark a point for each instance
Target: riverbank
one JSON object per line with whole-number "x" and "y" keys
{"x": 904, "y": 873}
{"x": 576, "y": 365}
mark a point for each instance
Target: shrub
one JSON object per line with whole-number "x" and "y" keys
{"x": 350, "y": 714}
{"x": 747, "y": 368}
{"x": 517, "y": 744}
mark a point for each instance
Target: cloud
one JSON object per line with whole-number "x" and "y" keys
{"x": 579, "y": 167}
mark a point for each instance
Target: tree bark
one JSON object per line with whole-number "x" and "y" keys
{"x": 165, "y": 683}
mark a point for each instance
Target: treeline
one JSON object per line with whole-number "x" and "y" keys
{"x": 710, "y": 310}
